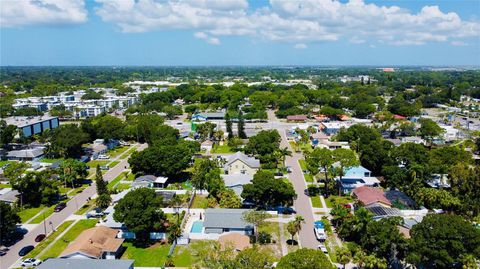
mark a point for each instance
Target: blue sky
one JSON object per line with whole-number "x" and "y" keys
{"x": 237, "y": 32}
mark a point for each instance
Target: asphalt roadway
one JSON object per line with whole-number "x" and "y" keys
{"x": 12, "y": 258}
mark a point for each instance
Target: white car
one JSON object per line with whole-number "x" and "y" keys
{"x": 323, "y": 248}
{"x": 31, "y": 262}
{"x": 103, "y": 157}
{"x": 319, "y": 230}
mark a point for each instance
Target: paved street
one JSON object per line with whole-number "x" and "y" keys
{"x": 12, "y": 258}
{"x": 302, "y": 204}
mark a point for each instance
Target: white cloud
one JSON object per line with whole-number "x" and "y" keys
{"x": 41, "y": 12}
{"x": 294, "y": 21}
{"x": 300, "y": 46}
{"x": 208, "y": 39}
{"x": 459, "y": 43}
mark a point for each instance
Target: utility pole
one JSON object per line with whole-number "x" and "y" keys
{"x": 44, "y": 224}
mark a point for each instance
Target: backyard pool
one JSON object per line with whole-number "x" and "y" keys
{"x": 197, "y": 227}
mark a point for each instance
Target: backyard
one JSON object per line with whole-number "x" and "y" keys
{"x": 221, "y": 149}
{"x": 338, "y": 200}
{"x": 200, "y": 201}
{"x": 152, "y": 256}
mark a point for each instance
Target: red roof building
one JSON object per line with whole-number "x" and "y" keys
{"x": 370, "y": 196}
{"x": 399, "y": 117}
{"x": 297, "y": 118}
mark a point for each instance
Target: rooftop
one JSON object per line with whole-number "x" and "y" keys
{"x": 94, "y": 241}
{"x": 21, "y": 121}
{"x": 368, "y": 196}
{"x": 225, "y": 218}
{"x": 250, "y": 161}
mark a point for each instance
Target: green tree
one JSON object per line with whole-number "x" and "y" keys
{"x": 228, "y": 122}
{"x": 201, "y": 168}
{"x": 36, "y": 189}
{"x": 343, "y": 255}
{"x": 256, "y": 218}
{"x": 266, "y": 190}
{"x": 254, "y": 257}
{"x": 384, "y": 239}
{"x": 103, "y": 201}
{"x": 168, "y": 160}
{"x": 7, "y": 133}
{"x": 140, "y": 211}
{"x": 433, "y": 198}
{"x": 174, "y": 232}
{"x": 228, "y": 199}
{"x": 206, "y": 130}
{"x": 8, "y": 222}
{"x": 441, "y": 239}
{"x": 241, "y": 126}
{"x": 465, "y": 185}
{"x": 66, "y": 141}
{"x": 71, "y": 171}
{"x": 305, "y": 258}
{"x": 321, "y": 157}
{"x": 429, "y": 129}
{"x": 109, "y": 127}
{"x": 294, "y": 226}
{"x": 283, "y": 153}
{"x": 346, "y": 159}
{"x": 100, "y": 183}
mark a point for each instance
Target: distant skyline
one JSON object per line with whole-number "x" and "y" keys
{"x": 239, "y": 32}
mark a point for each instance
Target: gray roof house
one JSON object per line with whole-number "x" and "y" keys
{"x": 220, "y": 220}
{"x": 236, "y": 181}
{"x": 86, "y": 263}
{"x": 8, "y": 195}
{"x": 149, "y": 181}
{"x": 241, "y": 163}
{"x": 25, "y": 154}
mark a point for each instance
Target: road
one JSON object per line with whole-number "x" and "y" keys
{"x": 302, "y": 204}
{"x": 12, "y": 257}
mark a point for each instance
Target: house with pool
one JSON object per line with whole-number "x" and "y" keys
{"x": 221, "y": 220}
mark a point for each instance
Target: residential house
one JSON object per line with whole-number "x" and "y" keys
{"x": 85, "y": 263}
{"x": 439, "y": 181}
{"x": 400, "y": 200}
{"x": 221, "y": 220}
{"x": 333, "y": 127}
{"x": 149, "y": 181}
{"x": 25, "y": 154}
{"x": 236, "y": 181}
{"x": 297, "y": 118}
{"x": 355, "y": 177}
{"x": 241, "y": 163}
{"x": 207, "y": 116}
{"x": 9, "y": 196}
{"x": 368, "y": 196}
{"x": 95, "y": 243}
{"x": 206, "y": 145}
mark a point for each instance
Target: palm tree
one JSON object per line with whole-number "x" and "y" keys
{"x": 343, "y": 256}
{"x": 174, "y": 232}
{"x": 283, "y": 154}
{"x": 295, "y": 226}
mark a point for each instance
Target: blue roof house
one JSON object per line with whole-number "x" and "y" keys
{"x": 355, "y": 177}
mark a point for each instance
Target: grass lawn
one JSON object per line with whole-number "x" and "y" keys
{"x": 47, "y": 241}
{"x": 128, "y": 152}
{"x": 316, "y": 202}
{"x": 221, "y": 149}
{"x": 338, "y": 199}
{"x": 117, "y": 151}
{"x": 303, "y": 166}
{"x": 3, "y": 186}
{"x": 45, "y": 214}
{"x": 123, "y": 186}
{"x": 93, "y": 164}
{"x": 47, "y": 160}
{"x": 2, "y": 163}
{"x": 153, "y": 256}
{"x": 113, "y": 164}
{"x": 28, "y": 213}
{"x": 200, "y": 201}
{"x": 111, "y": 184}
{"x": 68, "y": 237}
{"x": 86, "y": 207}
{"x": 130, "y": 177}
{"x": 185, "y": 256}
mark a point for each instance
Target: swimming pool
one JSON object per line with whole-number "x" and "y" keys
{"x": 197, "y": 227}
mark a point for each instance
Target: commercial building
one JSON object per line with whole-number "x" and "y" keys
{"x": 29, "y": 126}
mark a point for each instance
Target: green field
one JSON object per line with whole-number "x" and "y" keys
{"x": 185, "y": 256}
{"x": 200, "y": 201}
{"x": 86, "y": 207}
{"x": 47, "y": 241}
{"x": 221, "y": 149}
{"x": 153, "y": 256}
{"x": 47, "y": 160}
{"x": 3, "y": 186}
{"x": 115, "y": 181}
{"x": 45, "y": 214}
{"x": 2, "y": 163}
{"x": 316, "y": 202}
{"x": 93, "y": 164}
{"x": 337, "y": 199}
{"x": 117, "y": 151}
{"x": 303, "y": 166}
{"x": 28, "y": 213}
{"x": 56, "y": 249}
{"x": 123, "y": 186}
{"x": 128, "y": 152}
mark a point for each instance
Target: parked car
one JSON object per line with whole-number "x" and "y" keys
{"x": 3, "y": 251}
{"x": 285, "y": 210}
{"x": 25, "y": 250}
{"x": 319, "y": 230}
{"x": 104, "y": 167}
{"x": 289, "y": 169}
{"x": 96, "y": 213}
{"x": 40, "y": 237}
{"x": 60, "y": 207}
{"x": 103, "y": 157}
{"x": 323, "y": 248}
{"x": 248, "y": 204}
{"x": 31, "y": 262}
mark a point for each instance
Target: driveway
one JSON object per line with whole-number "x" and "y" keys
{"x": 12, "y": 258}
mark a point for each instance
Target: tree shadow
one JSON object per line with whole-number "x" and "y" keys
{"x": 292, "y": 242}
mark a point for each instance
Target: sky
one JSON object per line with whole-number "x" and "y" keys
{"x": 239, "y": 32}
